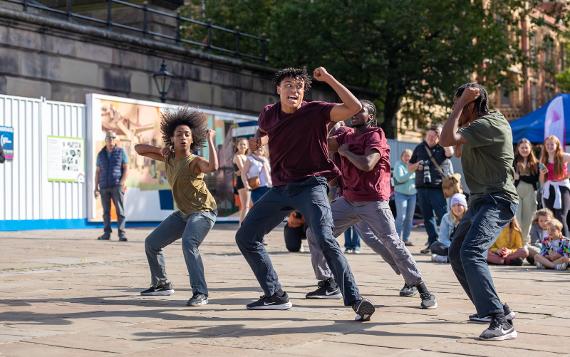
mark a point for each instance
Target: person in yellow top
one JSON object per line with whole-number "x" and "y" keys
{"x": 509, "y": 248}
{"x": 183, "y": 131}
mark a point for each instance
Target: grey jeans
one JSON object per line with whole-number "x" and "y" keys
{"x": 117, "y": 195}
{"x": 375, "y": 223}
{"x": 192, "y": 228}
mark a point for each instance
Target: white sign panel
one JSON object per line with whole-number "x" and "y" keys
{"x": 65, "y": 159}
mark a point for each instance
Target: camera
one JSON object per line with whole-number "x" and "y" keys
{"x": 427, "y": 174}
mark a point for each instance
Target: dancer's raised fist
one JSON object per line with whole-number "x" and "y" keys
{"x": 321, "y": 74}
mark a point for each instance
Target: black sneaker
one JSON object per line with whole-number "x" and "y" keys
{"x": 364, "y": 309}
{"x": 408, "y": 291}
{"x": 104, "y": 237}
{"x": 197, "y": 300}
{"x": 327, "y": 290}
{"x": 500, "y": 329}
{"x": 277, "y": 301}
{"x": 428, "y": 301}
{"x": 509, "y": 315}
{"x": 123, "y": 239}
{"x": 425, "y": 250}
{"x": 164, "y": 289}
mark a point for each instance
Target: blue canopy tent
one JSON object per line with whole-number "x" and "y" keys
{"x": 555, "y": 115}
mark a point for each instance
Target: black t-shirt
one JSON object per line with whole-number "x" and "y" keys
{"x": 433, "y": 180}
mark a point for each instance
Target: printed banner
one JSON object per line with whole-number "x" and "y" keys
{"x": 148, "y": 196}
{"x": 554, "y": 120}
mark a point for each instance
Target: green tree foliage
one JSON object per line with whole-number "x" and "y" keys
{"x": 415, "y": 49}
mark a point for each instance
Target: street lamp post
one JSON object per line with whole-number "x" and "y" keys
{"x": 163, "y": 80}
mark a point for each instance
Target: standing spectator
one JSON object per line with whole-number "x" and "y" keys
{"x": 2, "y": 156}
{"x": 239, "y": 161}
{"x": 405, "y": 195}
{"x": 509, "y": 248}
{"x": 526, "y": 182}
{"x": 351, "y": 241}
{"x": 256, "y": 174}
{"x": 110, "y": 177}
{"x": 554, "y": 179}
{"x": 487, "y": 157}
{"x": 425, "y": 158}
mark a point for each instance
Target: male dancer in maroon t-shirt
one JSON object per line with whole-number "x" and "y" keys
{"x": 365, "y": 167}
{"x": 296, "y": 132}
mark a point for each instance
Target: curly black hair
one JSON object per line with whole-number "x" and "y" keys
{"x": 481, "y": 103}
{"x": 295, "y": 73}
{"x": 195, "y": 120}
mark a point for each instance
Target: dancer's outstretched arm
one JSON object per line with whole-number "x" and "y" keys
{"x": 150, "y": 151}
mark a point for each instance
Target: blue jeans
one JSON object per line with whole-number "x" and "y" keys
{"x": 486, "y": 217}
{"x": 258, "y": 192}
{"x": 405, "y": 208}
{"x": 117, "y": 195}
{"x": 193, "y": 228}
{"x": 432, "y": 200}
{"x": 351, "y": 239}
{"x": 310, "y": 198}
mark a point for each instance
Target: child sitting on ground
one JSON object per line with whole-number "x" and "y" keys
{"x": 449, "y": 221}
{"x": 555, "y": 249}
{"x": 538, "y": 231}
{"x": 508, "y": 249}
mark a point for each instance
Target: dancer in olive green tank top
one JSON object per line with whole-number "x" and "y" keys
{"x": 183, "y": 131}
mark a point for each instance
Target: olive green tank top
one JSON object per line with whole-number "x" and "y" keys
{"x": 190, "y": 192}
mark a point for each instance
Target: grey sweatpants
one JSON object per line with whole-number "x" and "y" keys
{"x": 374, "y": 222}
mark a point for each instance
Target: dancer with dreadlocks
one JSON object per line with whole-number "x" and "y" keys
{"x": 183, "y": 131}
{"x": 365, "y": 169}
{"x": 487, "y": 159}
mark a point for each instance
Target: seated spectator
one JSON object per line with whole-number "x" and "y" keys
{"x": 508, "y": 249}
{"x": 449, "y": 221}
{"x": 294, "y": 232}
{"x": 538, "y": 231}
{"x": 555, "y": 249}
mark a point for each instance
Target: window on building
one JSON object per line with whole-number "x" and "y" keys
{"x": 548, "y": 45}
{"x": 548, "y": 92}
{"x": 533, "y": 96}
{"x": 505, "y": 97}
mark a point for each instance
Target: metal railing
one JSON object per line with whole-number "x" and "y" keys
{"x": 212, "y": 38}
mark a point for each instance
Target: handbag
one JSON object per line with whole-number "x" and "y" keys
{"x": 254, "y": 182}
{"x": 451, "y": 183}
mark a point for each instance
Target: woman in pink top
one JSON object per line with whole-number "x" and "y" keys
{"x": 554, "y": 179}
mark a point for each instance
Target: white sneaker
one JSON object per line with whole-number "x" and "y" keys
{"x": 438, "y": 258}
{"x": 539, "y": 265}
{"x": 561, "y": 266}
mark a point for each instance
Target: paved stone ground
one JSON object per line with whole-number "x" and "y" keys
{"x": 63, "y": 293}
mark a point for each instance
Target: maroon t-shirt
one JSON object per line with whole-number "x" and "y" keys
{"x": 298, "y": 142}
{"x": 359, "y": 185}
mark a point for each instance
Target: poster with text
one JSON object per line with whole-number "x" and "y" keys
{"x": 65, "y": 159}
